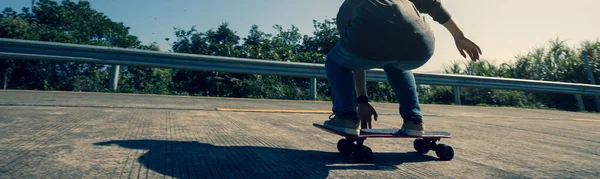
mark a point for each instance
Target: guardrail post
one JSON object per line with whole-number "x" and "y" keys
{"x": 580, "y": 105}
{"x": 5, "y": 81}
{"x": 313, "y": 88}
{"x": 456, "y": 92}
{"x": 114, "y": 78}
{"x": 585, "y": 55}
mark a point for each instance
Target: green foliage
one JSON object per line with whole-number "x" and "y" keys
{"x": 287, "y": 45}
{"x": 76, "y": 22}
{"x": 557, "y": 62}
{"x": 67, "y": 22}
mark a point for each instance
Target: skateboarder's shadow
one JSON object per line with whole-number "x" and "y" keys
{"x": 182, "y": 159}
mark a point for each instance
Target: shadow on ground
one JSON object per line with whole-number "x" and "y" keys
{"x": 183, "y": 159}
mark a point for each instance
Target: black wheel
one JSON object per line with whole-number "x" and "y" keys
{"x": 363, "y": 154}
{"x": 444, "y": 152}
{"x": 421, "y": 146}
{"x": 345, "y": 147}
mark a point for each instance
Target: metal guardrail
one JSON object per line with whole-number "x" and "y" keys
{"x": 37, "y": 50}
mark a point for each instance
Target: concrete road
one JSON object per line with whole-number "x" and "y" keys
{"x": 93, "y": 135}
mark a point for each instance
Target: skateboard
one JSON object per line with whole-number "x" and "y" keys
{"x": 362, "y": 153}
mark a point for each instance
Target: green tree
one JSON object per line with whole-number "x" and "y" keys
{"x": 67, "y": 22}
{"x": 557, "y": 62}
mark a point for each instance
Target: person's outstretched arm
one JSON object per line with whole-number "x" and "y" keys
{"x": 463, "y": 44}
{"x": 439, "y": 14}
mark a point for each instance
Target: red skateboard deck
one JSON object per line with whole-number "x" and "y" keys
{"x": 386, "y": 133}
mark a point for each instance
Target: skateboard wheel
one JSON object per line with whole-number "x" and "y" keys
{"x": 345, "y": 147}
{"x": 421, "y": 146}
{"x": 444, "y": 152}
{"x": 363, "y": 154}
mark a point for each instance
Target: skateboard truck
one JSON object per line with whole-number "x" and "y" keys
{"x": 443, "y": 151}
{"x": 362, "y": 153}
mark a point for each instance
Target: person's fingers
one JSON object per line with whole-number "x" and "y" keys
{"x": 365, "y": 118}
{"x": 478, "y": 50}
{"x": 375, "y": 114}
{"x": 475, "y": 54}
{"x": 369, "y": 122}
{"x": 475, "y": 47}
{"x": 461, "y": 52}
{"x": 470, "y": 55}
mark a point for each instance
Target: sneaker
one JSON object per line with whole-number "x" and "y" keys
{"x": 347, "y": 123}
{"x": 413, "y": 126}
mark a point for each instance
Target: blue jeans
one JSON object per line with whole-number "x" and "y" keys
{"x": 339, "y": 66}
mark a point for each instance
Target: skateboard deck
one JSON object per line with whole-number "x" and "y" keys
{"x": 386, "y": 133}
{"x": 355, "y": 144}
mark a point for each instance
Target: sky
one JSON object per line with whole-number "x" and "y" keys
{"x": 502, "y": 28}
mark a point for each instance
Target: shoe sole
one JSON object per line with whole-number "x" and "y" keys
{"x": 411, "y": 132}
{"x": 348, "y": 131}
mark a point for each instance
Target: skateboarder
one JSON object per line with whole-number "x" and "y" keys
{"x": 388, "y": 34}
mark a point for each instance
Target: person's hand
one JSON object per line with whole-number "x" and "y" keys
{"x": 365, "y": 110}
{"x": 467, "y": 47}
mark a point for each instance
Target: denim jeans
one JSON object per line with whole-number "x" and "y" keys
{"x": 339, "y": 66}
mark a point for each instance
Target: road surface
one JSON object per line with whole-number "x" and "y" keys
{"x": 96, "y": 135}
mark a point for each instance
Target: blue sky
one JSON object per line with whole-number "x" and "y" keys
{"x": 502, "y": 28}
